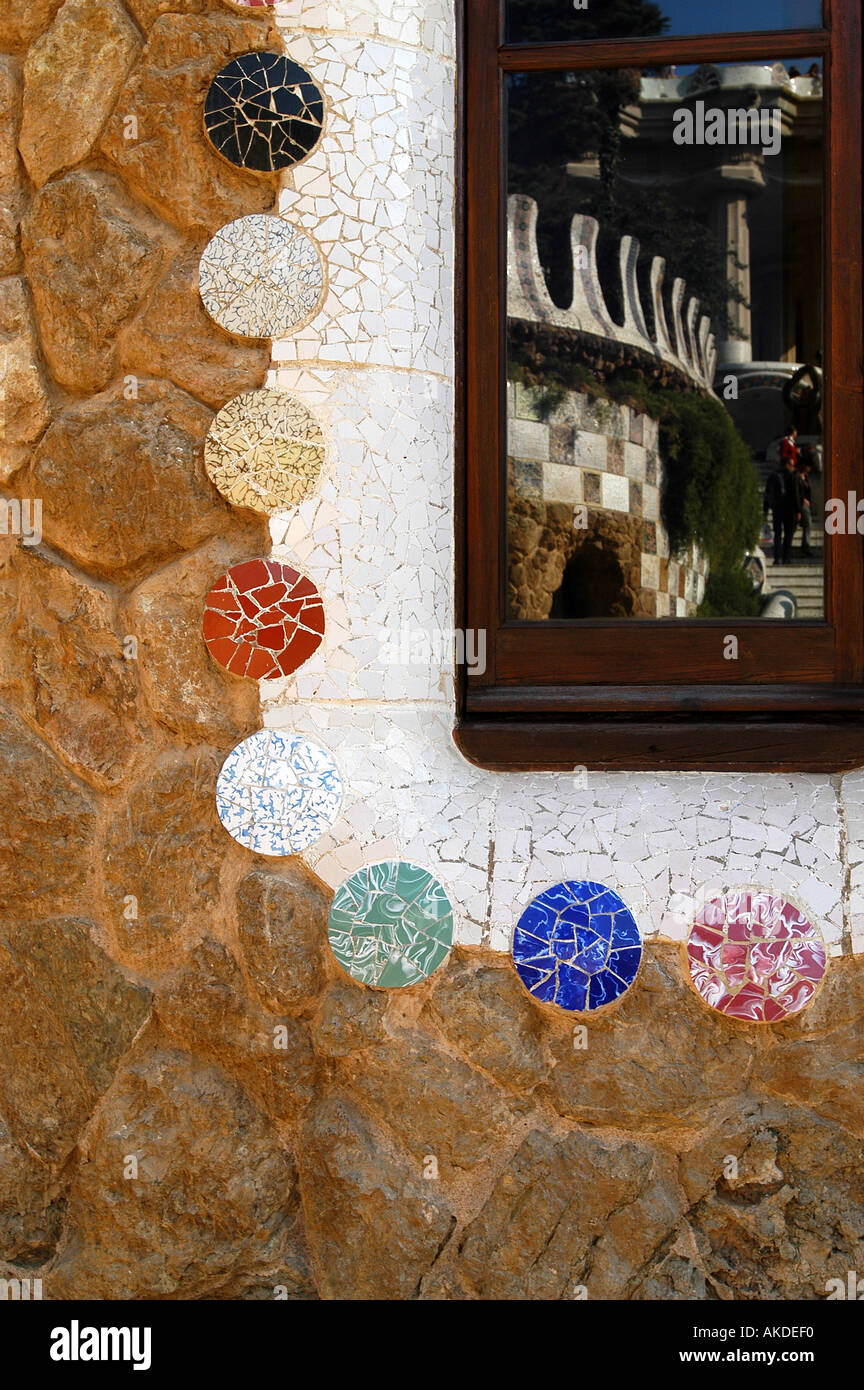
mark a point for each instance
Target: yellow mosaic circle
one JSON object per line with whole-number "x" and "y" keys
{"x": 264, "y": 451}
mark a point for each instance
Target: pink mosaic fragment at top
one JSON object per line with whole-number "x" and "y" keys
{"x": 755, "y": 957}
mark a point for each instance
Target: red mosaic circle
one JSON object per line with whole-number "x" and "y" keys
{"x": 755, "y": 957}
{"x": 263, "y": 620}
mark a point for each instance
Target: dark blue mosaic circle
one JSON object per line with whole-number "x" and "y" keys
{"x": 577, "y": 945}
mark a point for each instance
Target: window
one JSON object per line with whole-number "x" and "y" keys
{"x": 662, "y": 385}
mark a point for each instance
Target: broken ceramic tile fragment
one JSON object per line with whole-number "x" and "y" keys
{"x": 577, "y": 946}
{"x": 390, "y": 924}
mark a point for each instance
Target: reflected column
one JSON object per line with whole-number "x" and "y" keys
{"x": 730, "y": 187}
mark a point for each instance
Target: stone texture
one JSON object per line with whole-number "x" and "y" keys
{"x": 172, "y": 336}
{"x": 630, "y": 1219}
{"x": 67, "y": 1019}
{"x": 790, "y": 1220}
{"x": 819, "y": 1063}
{"x": 542, "y": 540}
{"x": 10, "y": 164}
{"x": 211, "y": 1206}
{"x": 29, "y": 1216}
{"x": 169, "y": 820}
{"x": 282, "y": 927}
{"x": 71, "y": 79}
{"x": 144, "y": 497}
{"x": 73, "y": 680}
{"x": 374, "y": 1224}
{"x": 148, "y": 11}
{"x": 552, "y": 1165}
{"x": 25, "y": 406}
{"x": 350, "y": 1019}
{"x": 21, "y": 23}
{"x": 185, "y": 689}
{"x": 611, "y": 1082}
{"x": 171, "y": 165}
{"x": 207, "y": 1011}
{"x": 91, "y": 255}
{"x": 481, "y": 1009}
{"x": 25, "y": 401}
{"x": 41, "y": 805}
{"x": 580, "y": 1211}
{"x": 101, "y": 297}
{"x": 430, "y": 1100}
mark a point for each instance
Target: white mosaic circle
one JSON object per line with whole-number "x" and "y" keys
{"x": 264, "y": 450}
{"x": 261, "y": 277}
{"x": 278, "y": 792}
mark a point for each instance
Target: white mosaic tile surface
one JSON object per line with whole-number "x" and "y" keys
{"x": 408, "y": 794}
{"x": 377, "y": 539}
{"x": 853, "y": 815}
{"x": 377, "y": 190}
{"x": 667, "y": 842}
{"x": 405, "y": 22}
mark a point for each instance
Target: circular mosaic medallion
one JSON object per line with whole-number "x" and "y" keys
{"x": 390, "y": 924}
{"x": 278, "y": 792}
{"x": 263, "y": 620}
{"x": 264, "y": 450}
{"x": 260, "y": 277}
{"x": 577, "y": 945}
{"x": 755, "y": 957}
{"x": 263, "y": 112}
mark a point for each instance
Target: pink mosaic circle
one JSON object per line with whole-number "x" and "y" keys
{"x": 755, "y": 957}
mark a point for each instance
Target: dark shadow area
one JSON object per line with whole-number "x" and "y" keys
{"x": 592, "y": 587}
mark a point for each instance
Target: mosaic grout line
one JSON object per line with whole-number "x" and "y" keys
{"x": 577, "y": 946}
{"x": 277, "y": 793}
{"x": 755, "y": 957}
{"x": 288, "y": 526}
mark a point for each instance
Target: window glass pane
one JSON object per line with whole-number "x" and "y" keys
{"x": 546, "y": 21}
{"x": 664, "y": 344}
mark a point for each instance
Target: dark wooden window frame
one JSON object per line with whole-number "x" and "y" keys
{"x": 555, "y": 696}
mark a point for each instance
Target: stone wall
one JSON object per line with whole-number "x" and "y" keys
{"x": 586, "y": 539}
{"x": 168, "y": 998}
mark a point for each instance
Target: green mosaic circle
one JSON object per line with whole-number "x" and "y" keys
{"x": 391, "y": 924}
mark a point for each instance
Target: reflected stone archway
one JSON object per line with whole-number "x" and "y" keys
{"x": 593, "y": 586}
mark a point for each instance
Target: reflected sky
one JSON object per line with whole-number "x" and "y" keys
{"x": 693, "y": 17}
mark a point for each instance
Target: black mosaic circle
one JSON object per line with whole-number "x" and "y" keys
{"x": 263, "y": 112}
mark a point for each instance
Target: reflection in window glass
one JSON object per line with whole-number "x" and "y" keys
{"x": 539, "y": 21}
{"x": 664, "y": 358}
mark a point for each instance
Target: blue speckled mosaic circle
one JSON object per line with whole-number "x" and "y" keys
{"x": 278, "y": 792}
{"x": 577, "y": 945}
